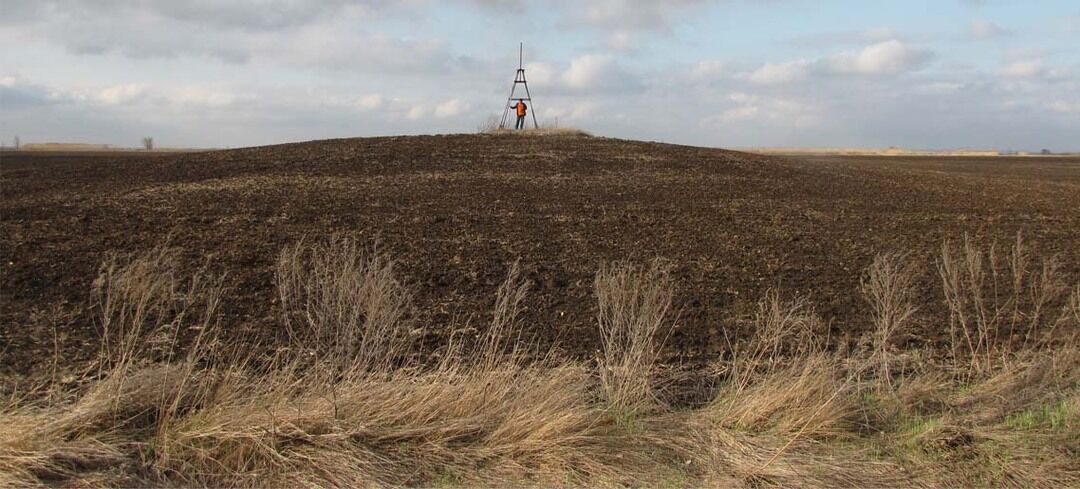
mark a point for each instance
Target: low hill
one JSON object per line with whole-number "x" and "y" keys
{"x": 456, "y": 211}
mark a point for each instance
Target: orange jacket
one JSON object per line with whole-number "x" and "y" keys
{"x": 520, "y": 108}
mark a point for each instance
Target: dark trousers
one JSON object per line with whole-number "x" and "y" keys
{"x": 520, "y": 122}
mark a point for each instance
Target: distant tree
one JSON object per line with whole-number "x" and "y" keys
{"x": 18, "y": 143}
{"x": 148, "y": 143}
{"x": 1045, "y": 152}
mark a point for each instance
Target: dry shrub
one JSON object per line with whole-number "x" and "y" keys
{"x": 808, "y": 397}
{"x": 889, "y": 287}
{"x": 634, "y": 320}
{"x": 783, "y": 333}
{"x": 1069, "y": 318}
{"x": 780, "y": 380}
{"x": 996, "y": 305}
{"x": 489, "y": 125}
{"x": 342, "y": 304}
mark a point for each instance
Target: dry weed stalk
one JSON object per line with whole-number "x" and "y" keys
{"x": 130, "y": 295}
{"x": 634, "y": 320}
{"x": 888, "y": 287}
{"x": 986, "y": 310}
{"x": 784, "y": 331}
{"x": 342, "y": 304}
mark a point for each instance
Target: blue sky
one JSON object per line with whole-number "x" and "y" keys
{"x": 206, "y": 73}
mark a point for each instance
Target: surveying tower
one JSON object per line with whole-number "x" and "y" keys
{"x": 519, "y": 79}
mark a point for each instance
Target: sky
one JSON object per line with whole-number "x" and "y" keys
{"x": 921, "y": 74}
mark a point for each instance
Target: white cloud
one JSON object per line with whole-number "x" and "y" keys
{"x": 880, "y": 59}
{"x": 571, "y": 113}
{"x": 939, "y": 88}
{"x": 1023, "y": 69}
{"x": 750, "y": 108}
{"x": 984, "y": 29}
{"x": 771, "y": 74}
{"x": 17, "y": 93}
{"x": 451, "y": 108}
{"x": 591, "y": 72}
{"x": 621, "y": 40}
{"x": 1071, "y": 23}
{"x": 736, "y": 114}
{"x": 254, "y": 15}
{"x": 871, "y": 35}
{"x": 202, "y": 97}
{"x": 540, "y": 73}
{"x": 708, "y": 69}
{"x": 370, "y": 101}
{"x": 587, "y": 71}
{"x": 416, "y": 113}
{"x": 884, "y": 58}
{"x": 1023, "y": 54}
{"x": 632, "y": 14}
{"x": 120, "y": 94}
{"x": 1064, "y": 106}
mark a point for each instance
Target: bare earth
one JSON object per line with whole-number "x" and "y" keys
{"x": 456, "y": 210}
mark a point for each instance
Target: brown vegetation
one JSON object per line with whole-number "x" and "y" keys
{"x": 344, "y": 401}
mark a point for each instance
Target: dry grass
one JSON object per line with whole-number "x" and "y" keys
{"x": 342, "y": 305}
{"x": 634, "y": 319}
{"x": 997, "y": 304}
{"x": 889, "y": 289}
{"x": 345, "y": 403}
{"x": 541, "y": 132}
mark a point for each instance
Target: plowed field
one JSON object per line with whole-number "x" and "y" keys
{"x": 456, "y": 210}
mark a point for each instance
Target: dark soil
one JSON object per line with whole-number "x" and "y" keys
{"x": 456, "y": 210}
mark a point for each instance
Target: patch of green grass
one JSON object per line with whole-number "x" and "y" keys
{"x": 446, "y": 480}
{"x": 914, "y": 426}
{"x": 1055, "y": 416}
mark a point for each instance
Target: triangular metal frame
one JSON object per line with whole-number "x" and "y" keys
{"x": 511, "y": 101}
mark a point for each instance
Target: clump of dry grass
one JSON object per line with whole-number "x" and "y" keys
{"x": 342, "y": 304}
{"x": 783, "y": 391}
{"x": 541, "y": 132}
{"x": 783, "y": 395}
{"x": 634, "y": 319}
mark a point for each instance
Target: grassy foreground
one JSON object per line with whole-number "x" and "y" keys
{"x": 346, "y": 402}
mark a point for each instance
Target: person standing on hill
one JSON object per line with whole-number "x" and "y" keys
{"x": 521, "y": 110}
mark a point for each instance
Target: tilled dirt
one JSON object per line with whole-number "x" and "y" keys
{"x": 456, "y": 210}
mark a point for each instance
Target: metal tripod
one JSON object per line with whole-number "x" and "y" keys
{"x": 511, "y": 101}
